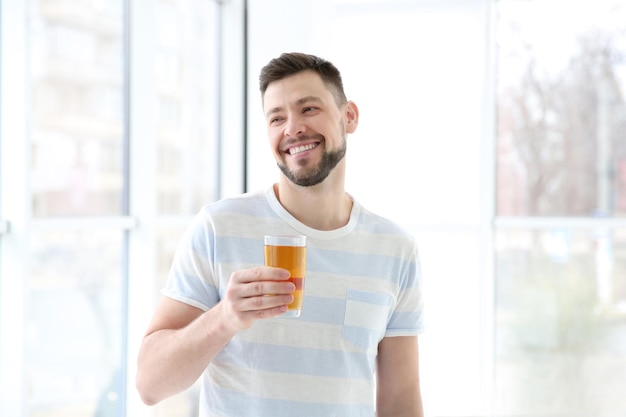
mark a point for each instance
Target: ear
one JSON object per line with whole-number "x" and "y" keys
{"x": 352, "y": 116}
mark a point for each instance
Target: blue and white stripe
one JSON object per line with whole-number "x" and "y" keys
{"x": 362, "y": 283}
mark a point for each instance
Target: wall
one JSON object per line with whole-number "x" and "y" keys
{"x": 421, "y": 155}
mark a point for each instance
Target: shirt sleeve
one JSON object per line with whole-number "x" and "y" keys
{"x": 407, "y": 319}
{"x": 191, "y": 278}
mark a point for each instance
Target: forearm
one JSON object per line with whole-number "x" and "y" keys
{"x": 171, "y": 360}
{"x": 182, "y": 339}
{"x": 410, "y": 406}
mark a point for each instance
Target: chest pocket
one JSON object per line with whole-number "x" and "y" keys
{"x": 366, "y": 317}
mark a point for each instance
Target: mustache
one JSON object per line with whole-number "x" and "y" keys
{"x": 304, "y": 138}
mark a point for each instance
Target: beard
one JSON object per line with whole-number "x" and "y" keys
{"x": 308, "y": 177}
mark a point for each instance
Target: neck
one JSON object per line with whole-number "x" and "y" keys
{"x": 325, "y": 206}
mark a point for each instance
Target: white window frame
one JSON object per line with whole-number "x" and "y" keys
{"x": 14, "y": 205}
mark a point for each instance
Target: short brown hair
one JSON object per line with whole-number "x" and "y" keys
{"x": 292, "y": 63}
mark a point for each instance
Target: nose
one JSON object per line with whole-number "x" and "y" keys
{"x": 294, "y": 127}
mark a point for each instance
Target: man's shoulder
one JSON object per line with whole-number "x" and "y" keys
{"x": 376, "y": 223}
{"x": 246, "y": 202}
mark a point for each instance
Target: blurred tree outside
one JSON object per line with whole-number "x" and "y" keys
{"x": 562, "y": 135}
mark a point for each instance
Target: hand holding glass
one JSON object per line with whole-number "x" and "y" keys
{"x": 289, "y": 252}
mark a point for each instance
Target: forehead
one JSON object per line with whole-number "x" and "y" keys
{"x": 294, "y": 87}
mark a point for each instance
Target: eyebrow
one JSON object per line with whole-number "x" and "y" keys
{"x": 299, "y": 102}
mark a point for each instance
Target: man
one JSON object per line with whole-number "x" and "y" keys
{"x": 354, "y": 350}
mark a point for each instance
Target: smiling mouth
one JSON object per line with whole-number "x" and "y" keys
{"x": 299, "y": 149}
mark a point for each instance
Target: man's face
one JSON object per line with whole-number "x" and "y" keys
{"x": 306, "y": 129}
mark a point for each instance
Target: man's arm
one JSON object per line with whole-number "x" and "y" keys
{"x": 398, "y": 385}
{"x": 182, "y": 340}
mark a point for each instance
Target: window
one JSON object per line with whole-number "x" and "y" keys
{"x": 112, "y": 179}
{"x": 75, "y": 291}
{"x": 560, "y": 244}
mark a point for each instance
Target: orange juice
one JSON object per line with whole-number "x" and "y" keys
{"x": 289, "y": 253}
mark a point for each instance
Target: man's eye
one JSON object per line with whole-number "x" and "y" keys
{"x": 307, "y": 109}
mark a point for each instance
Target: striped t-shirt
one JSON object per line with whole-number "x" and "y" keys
{"x": 362, "y": 284}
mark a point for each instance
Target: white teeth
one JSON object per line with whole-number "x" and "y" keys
{"x": 298, "y": 149}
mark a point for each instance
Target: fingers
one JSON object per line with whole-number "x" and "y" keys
{"x": 265, "y": 302}
{"x": 261, "y": 273}
{"x": 258, "y": 293}
{"x": 261, "y": 281}
{"x": 268, "y": 288}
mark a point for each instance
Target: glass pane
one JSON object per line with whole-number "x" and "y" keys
{"x": 561, "y": 109}
{"x": 561, "y": 322}
{"x": 77, "y": 129}
{"x": 74, "y": 324}
{"x": 187, "y": 70}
